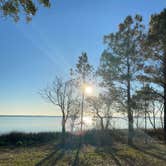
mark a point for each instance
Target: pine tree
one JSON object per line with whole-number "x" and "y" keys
{"x": 155, "y": 55}
{"x": 82, "y": 73}
{"x": 120, "y": 61}
{"x": 14, "y": 8}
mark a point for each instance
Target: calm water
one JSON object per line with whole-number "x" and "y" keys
{"x": 42, "y": 124}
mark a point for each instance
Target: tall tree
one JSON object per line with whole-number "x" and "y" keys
{"x": 13, "y": 8}
{"x": 155, "y": 55}
{"x": 120, "y": 61}
{"x": 82, "y": 73}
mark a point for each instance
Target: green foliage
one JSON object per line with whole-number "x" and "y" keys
{"x": 155, "y": 57}
{"x": 14, "y": 8}
{"x": 120, "y": 63}
{"x": 157, "y": 28}
{"x": 123, "y": 52}
{"x": 83, "y": 68}
{"x": 155, "y": 51}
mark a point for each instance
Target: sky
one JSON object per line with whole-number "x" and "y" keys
{"x": 32, "y": 54}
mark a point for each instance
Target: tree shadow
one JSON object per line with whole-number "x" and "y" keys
{"x": 112, "y": 152}
{"x": 150, "y": 153}
{"x": 59, "y": 152}
{"x": 103, "y": 145}
{"x": 53, "y": 157}
{"x": 76, "y": 159}
{"x": 115, "y": 158}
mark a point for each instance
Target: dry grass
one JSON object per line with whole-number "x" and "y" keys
{"x": 94, "y": 152}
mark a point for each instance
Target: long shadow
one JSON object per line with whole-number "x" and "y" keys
{"x": 53, "y": 157}
{"x": 148, "y": 153}
{"x": 112, "y": 153}
{"x": 76, "y": 160}
{"x": 115, "y": 158}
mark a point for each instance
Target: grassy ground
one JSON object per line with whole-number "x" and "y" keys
{"x": 118, "y": 153}
{"x": 23, "y": 156}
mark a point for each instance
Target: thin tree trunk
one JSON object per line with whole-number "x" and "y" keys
{"x": 161, "y": 119}
{"x": 145, "y": 124}
{"x": 164, "y": 72}
{"x": 102, "y": 124}
{"x": 154, "y": 120}
{"x": 165, "y": 112}
{"x": 107, "y": 123}
{"x": 82, "y": 111}
{"x": 137, "y": 122}
{"x": 130, "y": 115}
{"x": 150, "y": 120}
{"x": 63, "y": 131}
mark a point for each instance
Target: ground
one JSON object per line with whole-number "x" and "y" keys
{"x": 118, "y": 154}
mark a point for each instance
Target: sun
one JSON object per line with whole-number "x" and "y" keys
{"x": 88, "y": 90}
{"x": 88, "y": 121}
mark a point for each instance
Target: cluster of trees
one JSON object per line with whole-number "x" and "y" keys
{"x": 131, "y": 77}
{"x": 68, "y": 95}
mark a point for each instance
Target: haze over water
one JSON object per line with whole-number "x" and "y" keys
{"x": 53, "y": 124}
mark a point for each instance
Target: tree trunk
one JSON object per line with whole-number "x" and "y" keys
{"x": 164, "y": 72}
{"x": 154, "y": 120}
{"x": 145, "y": 124}
{"x": 102, "y": 124}
{"x": 63, "y": 131}
{"x": 107, "y": 123}
{"x": 137, "y": 121}
{"x": 165, "y": 112}
{"x": 130, "y": 115}
{"x": 161, "y": 119}
{"x": 82, "y": 111}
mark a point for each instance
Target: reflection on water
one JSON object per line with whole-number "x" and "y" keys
{"x": 42, "y": 124}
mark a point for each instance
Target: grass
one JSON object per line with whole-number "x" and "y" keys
{"x": 23, "y": 156}
{"x": 94, "y": 152}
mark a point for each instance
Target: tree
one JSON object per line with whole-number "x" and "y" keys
{"x": 142, "y": 100}
{"x": 13, "y": 8}
{"x": 155, "y": 49}
{"x": 83, "y": 69}
{"x": 102, "y": 107}
{"x": 150, "y": 103}
{"x": 82, "y": 73}
{"x": 139, "y": 108}
{"x": 74, "y": 115}
{"x": 60, "y": 94}
{"x": 121, "y": 60}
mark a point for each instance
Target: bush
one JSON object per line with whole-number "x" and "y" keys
{"x": 27, "y": 139}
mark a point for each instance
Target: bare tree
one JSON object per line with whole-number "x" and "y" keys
{"x": 60, "y": 94}
{"x": 101, "y": 107}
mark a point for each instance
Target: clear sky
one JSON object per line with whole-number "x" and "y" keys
{"x": 33, "y": 54}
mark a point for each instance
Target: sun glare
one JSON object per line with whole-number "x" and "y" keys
{"x": 88, "y": 90}
{"x": 88, "y": 121}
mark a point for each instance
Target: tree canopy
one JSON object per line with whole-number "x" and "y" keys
{"x": 14, "y": 8}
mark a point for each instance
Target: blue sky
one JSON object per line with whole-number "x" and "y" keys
{"x": 33, "y": 54}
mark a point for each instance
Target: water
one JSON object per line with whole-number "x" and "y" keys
{"x": 53, "y": 124}
{"x": 29, "y": 124}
